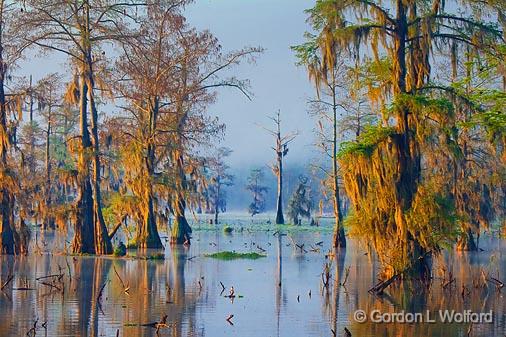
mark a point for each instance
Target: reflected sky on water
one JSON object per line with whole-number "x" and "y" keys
{"x": 272, "y": 293}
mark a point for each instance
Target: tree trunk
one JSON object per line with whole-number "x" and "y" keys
{"x": 7, "y": 235}
{"x": 103, "y": 244}
{"x": 408, "y": 166}
{"x": 6, "y": 197}
{"x": 339, "y": 236}
{"x": 217, "y": 203}
{"x": 48, "y": 218}
{"x": 147, "y": 232}
{"x": 31, "y": 160}
{"x": 181, "y": 230}
{"x": 280, "y": 220}
{"x": 216, "y": 211}
{"x": 83, "y": 242}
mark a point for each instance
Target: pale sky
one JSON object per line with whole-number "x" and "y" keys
{"x": 277, "y": 83}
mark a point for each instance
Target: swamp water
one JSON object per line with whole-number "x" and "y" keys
{"x": 272, "y": 293}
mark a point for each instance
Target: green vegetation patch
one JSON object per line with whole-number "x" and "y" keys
{"x": 265, "y": 227}
{"x": 120, "y": 249}
{"x": 227, "y": 229}
{"x": 227, "y": 255}
{"x": 366, "y": 142}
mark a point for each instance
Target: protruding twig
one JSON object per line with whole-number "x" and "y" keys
{"x": 9, "y": 279}
{"x": 125, "y": 287}
{"x": 346, "y": 274}
{"x": 52, "y": 286}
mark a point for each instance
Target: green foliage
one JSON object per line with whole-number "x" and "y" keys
{"x": 493, "y": 121}
{"x": 227, "y": 229}
{"x": 421, "y": 104}
{"x": 228, "y": 255}
{"x": 117, "y": 205}
{"x": 300, "y": 203}
{"x": 258, "y": 190}
{"x": 120, "y": 250}
{"x": 366, "y": 142}
{"x": 433, "y": 216}
{"x": 132, "y": 244}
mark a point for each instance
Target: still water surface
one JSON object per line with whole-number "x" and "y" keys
{"x": 273, "y": 293}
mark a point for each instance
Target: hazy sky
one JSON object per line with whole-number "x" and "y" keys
{"x": 277, "y": 83}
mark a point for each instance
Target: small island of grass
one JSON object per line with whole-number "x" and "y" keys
{"x": 227, "y": 255}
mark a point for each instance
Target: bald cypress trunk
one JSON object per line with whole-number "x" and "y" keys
{"x": 280, "y": 220}
{"x": 103, "y": 243}
{"x": 49, "y": 218}
{"x": 217, "y": 202}
{"x": 83, "y": 242}
{"x": 181, "y": 230}
{"x": 408, "y": 156}
{"x": 147, "y": 231}
{"x": 6, "y": 197}
{"x": 339, "y": 239}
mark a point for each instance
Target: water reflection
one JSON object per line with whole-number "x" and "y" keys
{"x": 280, "y": 295}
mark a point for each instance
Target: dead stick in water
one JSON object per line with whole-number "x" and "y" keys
{"x": 378, "y": 288}
{"x": 47, "y": 276}
{"x": 99, "y": 297}
{"x": 51, "y": 285}
{"x": 9, "y": 279}
{"x": 125, "y": 287}
{"x": 346, "y": 274}
{"x": 496, "y": 282}
{"x": 301, "y": 247}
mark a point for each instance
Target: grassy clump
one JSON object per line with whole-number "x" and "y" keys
{"x": 227, "y": 255}
{"x": 120, "y": 249}
{"x": 132, "y": 244}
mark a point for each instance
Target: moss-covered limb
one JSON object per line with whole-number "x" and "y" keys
{"x": 228, "y": 255}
